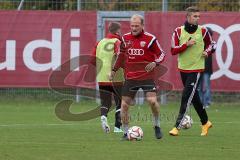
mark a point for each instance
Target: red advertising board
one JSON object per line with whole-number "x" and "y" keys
{"x": 33, "y": 44}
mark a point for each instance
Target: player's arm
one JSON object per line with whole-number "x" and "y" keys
{"x": 118, "y": 63}
{"x": 115, "y": 62}
{"x": 176, "y": 48}
{"x": 209, "y": 44}
{"x": 117, "y": 45}
{"x": 159, "y": 55}
{"x": 119, "y": 56}
{"x": 214, "y": 46}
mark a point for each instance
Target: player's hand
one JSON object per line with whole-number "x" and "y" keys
{"x": 111, "y": 75}
{"x": 205, "y": 54}
{"x": 150, "y": 66}
{"x": 190, "y": 42}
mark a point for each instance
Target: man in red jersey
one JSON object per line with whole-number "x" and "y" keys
{"x": 192, "y": 43}
{"x": 141, "y": 55}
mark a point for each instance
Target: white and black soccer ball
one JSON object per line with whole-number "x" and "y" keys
{"x": 135, "y": 133}
{"x": 186, "y": 122}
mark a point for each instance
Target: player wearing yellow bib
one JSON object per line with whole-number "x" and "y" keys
{"x": 106, "y": 51}
{"x": 192, "y": 43}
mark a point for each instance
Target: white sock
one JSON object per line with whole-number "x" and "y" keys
{"x": 125, "y": 128}
{"x": 103, "y": 118}
{"x": 156, "y": 121}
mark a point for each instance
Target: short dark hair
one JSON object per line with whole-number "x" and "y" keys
{"x": 192, "y": 9}
{"x": 113, "y": 27}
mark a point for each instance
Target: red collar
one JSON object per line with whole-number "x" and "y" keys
{"x": 110, "y": 35}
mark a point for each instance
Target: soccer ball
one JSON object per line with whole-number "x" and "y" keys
{"x": 135, "y": 133}
{"x": 186, "y": 122}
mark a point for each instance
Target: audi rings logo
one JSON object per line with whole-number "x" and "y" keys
{"x": 224, "y": 66}
{"x": 135, "y": 52}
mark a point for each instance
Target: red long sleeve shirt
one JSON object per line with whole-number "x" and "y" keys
{"x": 139, "y": 51}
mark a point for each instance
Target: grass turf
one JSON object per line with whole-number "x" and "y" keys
{"x": 30, "y": 130}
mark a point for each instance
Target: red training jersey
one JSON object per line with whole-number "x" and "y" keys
{"x": 139, "y": 51}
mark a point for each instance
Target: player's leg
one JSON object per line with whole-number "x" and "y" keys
{"x": 155, "y": 107}
{"x": 151, "y": 98}
{"x": 201, "y": 88}
{"x": 128, "y": 93}
{"x": 126, "y": 101}
{"x": 206, "y": 124}
{"x": 189, "y": 81}
{"x": 117, "y": 97}
{"x": 202, "y": 114}
{"x": 190, "y": 88}
{"x": 106, "y": 101}
{"x": 198, "y": 106}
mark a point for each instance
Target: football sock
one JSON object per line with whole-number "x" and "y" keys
{"x": 156, "y": 121}
{"x": 103, "y": 118}
{"x": 104, "y": 111}
{"x": 125, "y": 128}
{"x": 118, "y": 119}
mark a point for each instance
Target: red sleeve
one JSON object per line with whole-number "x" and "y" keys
{"x": 159, "y": 53}
{"x": 175, "y": 47}
{"x": 117, "y": 47}
{"x": 208, "y": 42}
{"x": 93, "y": 57}
{"x": 119, "y": 61}
{"x": 120, "y": 57}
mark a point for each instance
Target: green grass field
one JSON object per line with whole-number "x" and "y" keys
{"x": 30, "y": 130}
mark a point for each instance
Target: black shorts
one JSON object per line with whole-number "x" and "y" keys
{"x": 131, "y": 87}
{"x": 106, "y": 93}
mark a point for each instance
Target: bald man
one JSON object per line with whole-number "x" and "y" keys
{"x": 142, "y": 54}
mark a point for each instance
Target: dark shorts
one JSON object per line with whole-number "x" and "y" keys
{"x": 106, "y": 93}
{"x": 131, "y": 87}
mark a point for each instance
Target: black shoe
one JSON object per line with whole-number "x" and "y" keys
{"x": 158, "y": 133}
{"x": 124, "y": 137}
